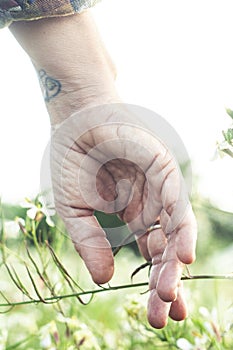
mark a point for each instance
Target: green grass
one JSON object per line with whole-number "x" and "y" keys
{"x": 117, "y": 320}
{"x": 113, "y": 320}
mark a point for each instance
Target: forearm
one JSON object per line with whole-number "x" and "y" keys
{"x": 73, "y": 67}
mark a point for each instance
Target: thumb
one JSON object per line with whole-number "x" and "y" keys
{"x": 92, "y": 245}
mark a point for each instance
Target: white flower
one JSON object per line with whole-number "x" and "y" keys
{"x": 72, "y": 322}
{"x": 110, "y": 339}
{"x": 212, "y": 323}
{"x": 224, "y": 145}
{"x": 11, "y": 229}
{"x": 35, "y": 210}
{"x": 200, "y": 341}
{"x": 46, "y": 341}
{"x": 85, "y": 339}
{"x": 204, "y": 312}
{"x": 45, "y": 335}
{"x": 184, "y": 344}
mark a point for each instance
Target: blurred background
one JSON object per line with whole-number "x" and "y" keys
{"x": 175, "y": 58}
{"x": 172, "y": 57}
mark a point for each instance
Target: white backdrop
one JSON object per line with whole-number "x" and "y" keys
{"x": 175, "y": 57}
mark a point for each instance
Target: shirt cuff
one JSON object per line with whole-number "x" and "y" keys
{"x": 22, "y": 10}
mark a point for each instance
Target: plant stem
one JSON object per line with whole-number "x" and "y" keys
{"x": 208, "y": 277}
{"x": 112, "y": 288}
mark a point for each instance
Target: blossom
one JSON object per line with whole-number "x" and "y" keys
{"x": 184, "y": 344}
{"x": 47, "y": 333}
{"x": 46, "y": 342}
{"x": 12, "y": 227}
{"x": 211, "y": 322}
{"x": 135, "y": 308}
{"x": 36, "y": 211}
{"x": 83, "y": 337}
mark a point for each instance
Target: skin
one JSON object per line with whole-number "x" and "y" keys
{"x": 70, "y": 52}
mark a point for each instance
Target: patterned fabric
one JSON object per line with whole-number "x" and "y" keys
{"x": 18, "y": 10}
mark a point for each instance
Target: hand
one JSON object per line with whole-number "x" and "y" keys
{"x": 114, "y": 167}
{"x": 103, "y": 159}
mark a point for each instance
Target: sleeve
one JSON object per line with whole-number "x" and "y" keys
{"x": 21, "y": 10}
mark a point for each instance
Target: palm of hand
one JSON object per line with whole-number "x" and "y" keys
{"x": 120, "y": 168}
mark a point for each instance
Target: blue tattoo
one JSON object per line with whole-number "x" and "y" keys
{"x": 50, "y": 86}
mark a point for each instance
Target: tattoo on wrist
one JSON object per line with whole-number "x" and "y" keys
{"x": 50, "y": 86}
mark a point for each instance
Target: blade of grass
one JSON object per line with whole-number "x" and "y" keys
{"x": 42, "y": 277}
{"x": 9, "y": 303}
{"x": 61, "y": 266}
{"x": 41, "y": 299}
{"x": 17, "y": 281}
{"x": 19, "y": 343}
{"x": 66, "y": 275}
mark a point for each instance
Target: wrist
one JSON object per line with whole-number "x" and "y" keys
{"x": 74, "y": 70}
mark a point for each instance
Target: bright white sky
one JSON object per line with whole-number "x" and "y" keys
{"x": 174, "y": 57}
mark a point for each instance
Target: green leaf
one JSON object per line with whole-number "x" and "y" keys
{"x": 229, "y": 112}
{"x": 229, "y": 152}
{"x": 228, "y": 136}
